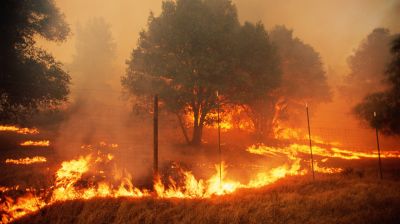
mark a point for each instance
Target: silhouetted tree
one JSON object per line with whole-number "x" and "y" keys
{"x": 95, "y": 53}
{"x": 258, "y": 75}
{"x": 386, "y": 103}
{"x": 303, "y": 78}
{"x": 30, "y": 78}
{"x": 185, "y": 56}
{"x": 367, "y": 65}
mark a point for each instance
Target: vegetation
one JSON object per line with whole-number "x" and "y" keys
{"x": 327, "y": 200}
{"x": 185, "y": 58}
{"x": 367, "y": 65}
{"x": 303, "y": 77}
{"x": 382, "y": 109}
{"x": 31, "y": 79}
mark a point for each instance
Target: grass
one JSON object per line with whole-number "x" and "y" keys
{"x": 332, "y": 199}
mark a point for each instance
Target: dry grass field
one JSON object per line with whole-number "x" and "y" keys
{"x": 331, "y": 199}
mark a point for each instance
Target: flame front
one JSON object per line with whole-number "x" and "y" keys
{"x": 18, "y": 130}
{"x": 43, "y": 143}
{"x": 27, "y": 160}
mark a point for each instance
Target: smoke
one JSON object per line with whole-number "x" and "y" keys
{"x": 97, "y": 112}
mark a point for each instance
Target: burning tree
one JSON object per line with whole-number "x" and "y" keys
{"x": 192, "y": 50}
{"x": 303, "y": 80}
{"x": 259, "y": 75}
{"x": 30, "y": 77}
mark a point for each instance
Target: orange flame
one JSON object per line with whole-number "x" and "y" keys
{"x": 331, "y": 152}
{"x": 18, "y": 130}
{"x": 27, "y": 160}
{"x": 35, "y": 143}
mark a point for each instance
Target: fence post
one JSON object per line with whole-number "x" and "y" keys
{"x": 379, "y": 150}
{"x": 155, "y": 138}
{"x": 309, "y": 138}
{"x": 219, "y": 142}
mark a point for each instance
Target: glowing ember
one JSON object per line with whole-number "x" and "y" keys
{"x": 27, "y": 160}
{"x": 18, "y": 130}
{"x": 35, "y": 143}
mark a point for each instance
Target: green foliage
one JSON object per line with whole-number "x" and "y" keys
{"x": 386, "y": 104}
{"x": 31, "y": 79}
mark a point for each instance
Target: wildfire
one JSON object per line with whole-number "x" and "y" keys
{"x": 21, "y": 206}
{"x": 193, "y": 188}
{"x": 296, "y": 134}
{"x": 35, "y": 143}
{"x": 27, "y": 160}
{"x": 18, "y": 130}
{"x": 331, "y": 152}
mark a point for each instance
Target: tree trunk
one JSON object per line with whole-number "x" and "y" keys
{"x": 198, "y": 124}
{"x": 183, "y": 128}
{"x": 197, "y": 135}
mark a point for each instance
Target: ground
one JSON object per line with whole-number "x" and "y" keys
{"x": 344, "y": 198}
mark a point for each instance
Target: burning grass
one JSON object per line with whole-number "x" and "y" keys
{"x": 295, "y": 200}
{"x": 43, "y": 143}
{"x": 27, "y": 160}
{"x": 25, "y": 131}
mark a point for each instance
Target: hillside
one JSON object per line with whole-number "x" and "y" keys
{"x": 339, "y": 199}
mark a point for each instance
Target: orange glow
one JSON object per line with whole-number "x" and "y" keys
{"x": 331, "y": 152}
{"x": 18, "y": 130}
{"x": 27, "y": 160}
{"x": 35, "y": 143}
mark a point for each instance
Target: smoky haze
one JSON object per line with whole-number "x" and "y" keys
{"x": 332, "y": 28}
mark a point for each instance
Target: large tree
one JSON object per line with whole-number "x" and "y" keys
{"x": 30, "y": 78}
{"x": 385, "y": 105}
{"x": 258, "y": 73}
{"x": 367, "y": 65}
{"x": 185, "y": 56}
{"x": 303, "y": 78}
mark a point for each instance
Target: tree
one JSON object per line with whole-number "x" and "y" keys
{"x": 259, "y": 74}
{"x": 95, "y": 53}
{"x": 303, "y": 78}
{"x": 185, "y": 56}
{"x": 31, "y": 79}
{"x": 385, "y": 104}
{"x": 367, "y": 65}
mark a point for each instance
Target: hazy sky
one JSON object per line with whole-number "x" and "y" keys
{"x": 332, "y": 27}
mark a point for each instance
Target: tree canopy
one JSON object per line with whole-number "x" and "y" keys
{"x": 303, "y": 78}
{"x": 194, "y": 49}
{"x": 31, "y": 79}
{"x": 367, "y": 65}
{"x": 382, "y": 109}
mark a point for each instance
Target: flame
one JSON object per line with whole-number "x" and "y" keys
{"x": 27, "y": 160}
{"x": 35, "y": 143}
{"x": 331, "y": 152}
{"x": 18, "y": 130}
{"x": 320, "y": 169}
{"x": 21, "y": 206}
{"x": 230, "y": 118}
{"x": 265, "y": 178}
{"x": 86, "y": 177}
{"x": 283, "y": 133}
